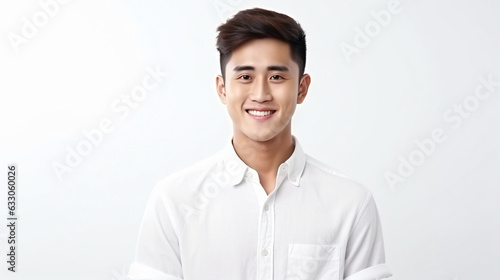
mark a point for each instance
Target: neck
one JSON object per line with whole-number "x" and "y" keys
{"x": 264, "y": 156}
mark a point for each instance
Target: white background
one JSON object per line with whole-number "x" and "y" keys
{"x": 363, "y": 113}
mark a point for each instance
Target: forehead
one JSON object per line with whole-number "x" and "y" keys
{"x": 262, "y": 53}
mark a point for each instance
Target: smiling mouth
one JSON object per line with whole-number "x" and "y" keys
{"x": 260, "y": 113}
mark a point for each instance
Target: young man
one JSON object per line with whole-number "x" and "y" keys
{"x": 260, "y": 208}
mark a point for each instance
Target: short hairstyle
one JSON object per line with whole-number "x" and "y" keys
{"x": 259, "y": 23}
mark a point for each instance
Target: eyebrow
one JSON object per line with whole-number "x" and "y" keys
{"x": 269, "y": 68}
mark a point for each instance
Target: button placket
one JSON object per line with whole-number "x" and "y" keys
{"x": 267, "y": 235}
{"x": 265, "y": 269}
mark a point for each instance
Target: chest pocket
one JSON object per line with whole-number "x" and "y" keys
{"x": 312, "y": 262}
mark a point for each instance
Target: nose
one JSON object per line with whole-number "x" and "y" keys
{"x": 260, "y": 91}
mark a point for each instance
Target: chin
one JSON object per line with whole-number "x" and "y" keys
{"x": 261, "y": 137}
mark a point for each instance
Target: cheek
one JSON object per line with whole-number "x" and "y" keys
{"x": 234, "y": 103}
{"x": 234, "y": 97}
{"x": 233, "y": 100}
{"x": 287, "y": 98}
{"x": 288, "y": 105}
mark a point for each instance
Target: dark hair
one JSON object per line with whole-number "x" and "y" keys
{"x": 259, "y": 23}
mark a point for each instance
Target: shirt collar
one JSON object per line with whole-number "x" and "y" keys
{"x": 236, "y": 168}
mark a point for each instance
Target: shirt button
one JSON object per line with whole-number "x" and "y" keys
{"x": 292, "y": 179}
{"x": 264, "y": 252}
{"x": 266, "y": 207}
{"x": 250, "y": 174}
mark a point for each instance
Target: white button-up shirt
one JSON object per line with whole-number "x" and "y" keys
{"x": 214, "y": 220}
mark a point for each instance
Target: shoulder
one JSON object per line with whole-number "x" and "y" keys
{"x": 343, "y": 192}
{"x": 191, "y": 175}
{"x": 334, "y": 181}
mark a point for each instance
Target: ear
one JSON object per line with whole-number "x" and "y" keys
{"x": 221, "y": 89}
{"x": 305, "y": 81}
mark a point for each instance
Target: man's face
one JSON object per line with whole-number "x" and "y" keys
{"x": 261, "y": 89}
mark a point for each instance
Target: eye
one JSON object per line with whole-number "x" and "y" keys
{"x": 244, "y": 77}
{"x": 276, "y": 77}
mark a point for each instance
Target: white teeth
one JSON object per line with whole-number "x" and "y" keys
{"x": 259, "y": 113}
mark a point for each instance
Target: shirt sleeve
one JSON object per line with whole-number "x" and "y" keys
{"x": 157, "y": 250}
{"x": 365, "y": 256}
